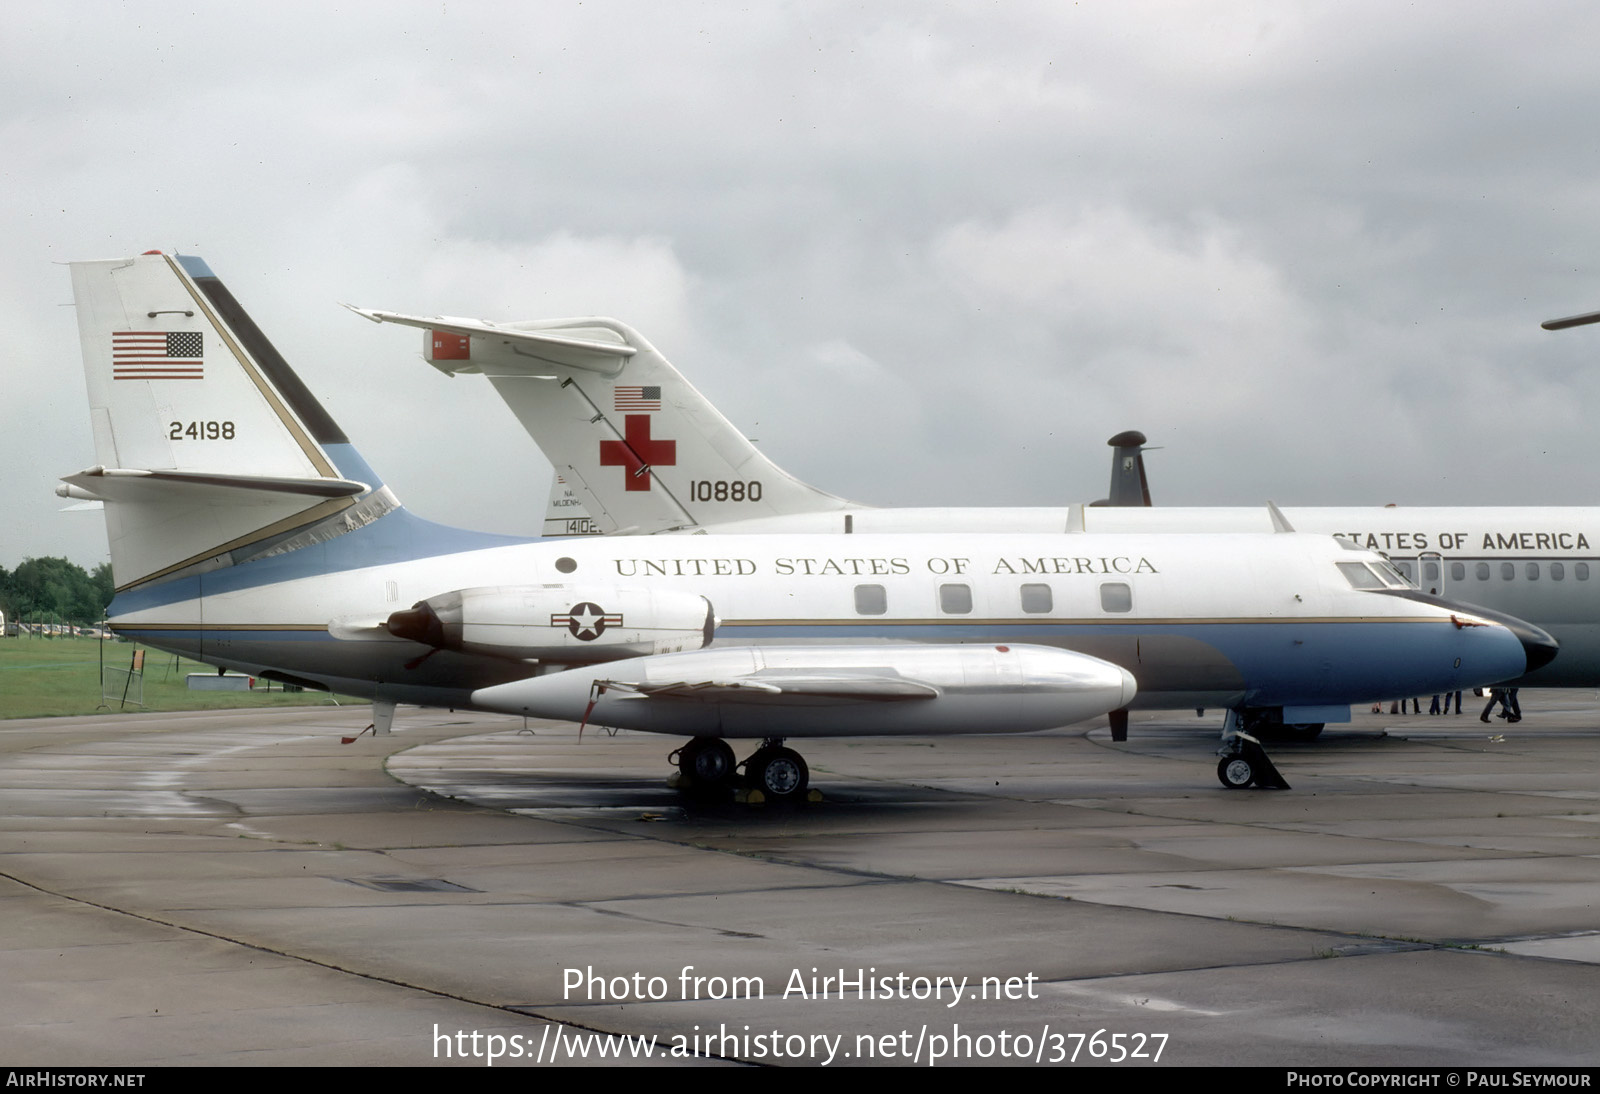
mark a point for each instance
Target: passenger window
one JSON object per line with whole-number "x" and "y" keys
{"x": 871, "y": 600}
{"x": 1116, "y": 597}
{"x": 1358, "y": 575}
{"x": 1533, "y": 571}
{"x": 1458, "y": 571}
{"x": 1580, "y": 570}
{"x": 1557, "y": 571}
{"x": 1483, "y": 571}
{"x": 1430, "y": 571}
{"x": 955, "y": 599}
{"x": 1037, "y": 599}
{"x": 1508, "y": 570}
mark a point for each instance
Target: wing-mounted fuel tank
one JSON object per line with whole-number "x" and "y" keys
{"x": 829, "y": 691}
{"x": 566, "y": 624}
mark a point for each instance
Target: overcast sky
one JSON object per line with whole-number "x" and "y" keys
{"x": 924, "y": 253}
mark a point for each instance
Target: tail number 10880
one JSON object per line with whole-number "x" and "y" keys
{"x": 723, "y": 490}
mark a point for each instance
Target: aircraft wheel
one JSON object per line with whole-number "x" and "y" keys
{"x": 706, "y": 762}
{"x": 1302, "y": 731}
{"x": 779, "y": 773}
{"x": 1235, "y": 772}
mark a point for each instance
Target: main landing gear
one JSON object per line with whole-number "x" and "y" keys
{"x": 1243, "y": 761}
{"x": 705, "y": 762}
{"x": 778, "y": 773}
{"x": 706, "y": 765}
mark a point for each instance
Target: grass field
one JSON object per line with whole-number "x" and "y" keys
{"x": 40, "y": 677}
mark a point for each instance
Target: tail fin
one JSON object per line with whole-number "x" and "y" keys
{"x": 1129, "y": 486}
{"x": 210, "y": 450}
{"x": 637, "y": 443}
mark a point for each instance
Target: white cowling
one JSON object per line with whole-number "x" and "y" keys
{"x": 573, "y": 624}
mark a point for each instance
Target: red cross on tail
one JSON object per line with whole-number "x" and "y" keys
{"x": 637, "y": 452}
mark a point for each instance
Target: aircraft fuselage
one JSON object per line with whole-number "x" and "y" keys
{"x": 1232, "y": 621}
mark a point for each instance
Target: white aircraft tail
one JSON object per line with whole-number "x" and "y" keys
{"x": 636, "y": 442}
{"x": 210, "y": 450}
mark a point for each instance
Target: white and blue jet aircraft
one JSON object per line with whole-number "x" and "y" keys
{"x": 247, "y": 532}
{"x": 639, "y": 447}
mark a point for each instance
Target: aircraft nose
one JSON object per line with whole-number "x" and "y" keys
{"x": 1538, "y": 646}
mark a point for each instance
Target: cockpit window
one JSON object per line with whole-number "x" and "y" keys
{"x": 1391, "y": 576}
{"x": 1359, "y": 575}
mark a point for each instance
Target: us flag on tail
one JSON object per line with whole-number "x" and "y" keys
{"x": 634, "y": 397}
{"x": 157, "y": 355}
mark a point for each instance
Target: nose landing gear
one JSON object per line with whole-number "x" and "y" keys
{"x": 1243, "y": 761}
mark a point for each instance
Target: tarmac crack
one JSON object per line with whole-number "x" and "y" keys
{"x": 520, "y": 1010}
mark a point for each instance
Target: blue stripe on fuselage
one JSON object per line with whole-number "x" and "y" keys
{"x": 1278, "y": 664}
{"x": 1288, "y": 663}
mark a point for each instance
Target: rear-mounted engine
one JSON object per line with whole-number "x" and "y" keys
{"x": 561, "y": 623}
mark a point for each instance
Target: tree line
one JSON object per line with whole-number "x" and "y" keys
{"x": 54, "y": 589}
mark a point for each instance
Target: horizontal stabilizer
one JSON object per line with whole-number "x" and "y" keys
{"x": 537, "y": 346}
{"x": 128, "y": 484}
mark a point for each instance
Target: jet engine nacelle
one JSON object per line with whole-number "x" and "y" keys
{"x": 829, "y": 691}
{"x": 570, "y": 624}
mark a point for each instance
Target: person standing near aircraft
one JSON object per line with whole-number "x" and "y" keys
{"x": 1507, "y": 700}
